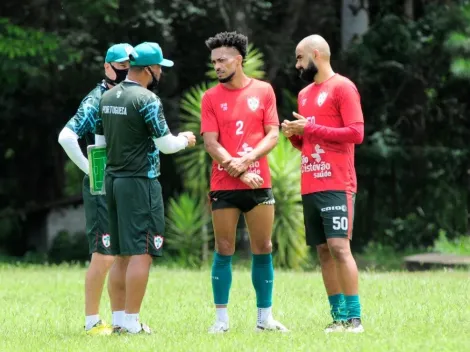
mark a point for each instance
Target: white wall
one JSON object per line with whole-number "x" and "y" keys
{"x": 70, "y": 219}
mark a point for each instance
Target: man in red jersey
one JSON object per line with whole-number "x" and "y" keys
{"x": 328, "y": 125}
{"x": 240, "y": 126}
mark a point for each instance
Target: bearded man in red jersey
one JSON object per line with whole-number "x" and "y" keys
{"x": 329, "y": 124}
{"x": 240, "y": 126}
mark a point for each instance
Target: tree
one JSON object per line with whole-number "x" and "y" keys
{"x": 354, "y": 20}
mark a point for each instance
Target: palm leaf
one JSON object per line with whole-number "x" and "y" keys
{"x": 185, "y": 218}
{"x": 194, "y": 162}
{"x": 288, "y": 231}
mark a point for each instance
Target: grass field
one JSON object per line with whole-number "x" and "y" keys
{"x": 41, "y": 310}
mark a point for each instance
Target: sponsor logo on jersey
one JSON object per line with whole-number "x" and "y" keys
{"x": 336, "y": 207}
{"x": 318, "y": 167}
{"x": 114, "y": 110}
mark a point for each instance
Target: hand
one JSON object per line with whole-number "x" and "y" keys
{"x": 237, "y": 166}
{"x": 285, "y": 132}
{"x": 190, "y": 136}
{"x": 251, "y": 179}
{"x": 295, "y": 127}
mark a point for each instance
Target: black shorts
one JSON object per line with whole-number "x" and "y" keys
{"x": 328, "y": 214}
{"x": 243, "y": 199}
{"x": 136, "y": 216}
{"x": 96, "y": 216}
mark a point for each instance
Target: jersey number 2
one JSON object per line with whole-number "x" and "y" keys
{"x": 239, "y": 125}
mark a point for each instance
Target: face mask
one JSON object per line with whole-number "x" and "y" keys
{"x": 120, "y": 76}
{"x": 308, "y": 73}
{"x": 154, "y": 84}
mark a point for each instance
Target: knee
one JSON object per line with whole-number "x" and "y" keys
{"x": 324, "y": 254}
{"x": 225, "y": 247}
{"x": 120, "y": 265}
{"x": 340, "y": 252}
{"x": 102, "y": 262}
{"x": 262, "y": 247}
{"x": 108, "y": 261}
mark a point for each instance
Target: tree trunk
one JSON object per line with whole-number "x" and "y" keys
{"x": 409, "y": 9}
{"x": 354, "y": 21}
{"x": 234, "y": 15}
{"x": 289, "y": 25}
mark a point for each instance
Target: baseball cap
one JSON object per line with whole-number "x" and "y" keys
{"x": 119, "y": 53}
{"x": 148, "y": 54}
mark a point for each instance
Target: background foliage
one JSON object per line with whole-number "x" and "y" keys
{"x": 411, "y": 68}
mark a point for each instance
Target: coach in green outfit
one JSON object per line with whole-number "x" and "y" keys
{"x": 132, "y": 125}
{"x": 82, "y": 126}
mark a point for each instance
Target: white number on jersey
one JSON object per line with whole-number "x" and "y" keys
{"x": 340, "y": 223}
{"x": 239, "y": 125}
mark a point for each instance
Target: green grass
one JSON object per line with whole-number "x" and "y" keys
{"x": 41, "y": 309}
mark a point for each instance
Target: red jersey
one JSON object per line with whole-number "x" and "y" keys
{"x": 239, "y": 117}
{"x": 328, "y": 165}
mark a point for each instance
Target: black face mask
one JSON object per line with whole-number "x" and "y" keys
{"x": 120, "y": 76}
{"x": 308, "y": 74}
{"x": 152, "y": 86}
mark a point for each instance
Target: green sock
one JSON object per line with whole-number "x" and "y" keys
{"x": 262, "y": 276}
{"x": 338, "y": 307}
{"x": 221, "y": 277}
{"x": 353, "y": 306}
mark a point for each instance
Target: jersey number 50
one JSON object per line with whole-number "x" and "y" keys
{"x": 340, "y": 223}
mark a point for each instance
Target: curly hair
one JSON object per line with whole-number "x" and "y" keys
{"x": 229, "y": 39}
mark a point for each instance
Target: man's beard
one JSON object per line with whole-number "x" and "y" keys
{"x": 228, "y": 78}
{"x": 308, "y": 73}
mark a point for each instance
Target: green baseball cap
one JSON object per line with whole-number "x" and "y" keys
{"x": 149, "y": 54}
{"x": 119, "y": 53}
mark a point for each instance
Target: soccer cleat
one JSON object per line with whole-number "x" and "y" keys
{"x": 117, "y": 329}
{"x": 145, "y": 329}
{"x": 335, "y": 326}
{"x": 100, "y": 328}
{"x": 271, "y": 325}
{"x": 354, "y": 325}
{"x": 219, "y": 327}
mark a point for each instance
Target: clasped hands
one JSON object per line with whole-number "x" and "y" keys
{"x": 296, "y": 127}
{"x": 237, "y": 167}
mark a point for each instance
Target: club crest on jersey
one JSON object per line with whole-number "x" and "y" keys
{"x": 253, "y": 103}
{"x": 106, "y": 239}
{"x": 321, "y": 98}
{"x": 158, "y": 242}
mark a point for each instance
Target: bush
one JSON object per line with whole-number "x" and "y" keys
{"x": 187, "y": 229}
{"x": 459, "y": 245}
{"x": 69, "y": 248}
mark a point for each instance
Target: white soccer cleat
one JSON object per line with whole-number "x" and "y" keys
{"x": 271, "y": 325}
{"x": 336, "y": 326}
{"x": 219, "y": 327}
{"x": 354, "y": 325}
